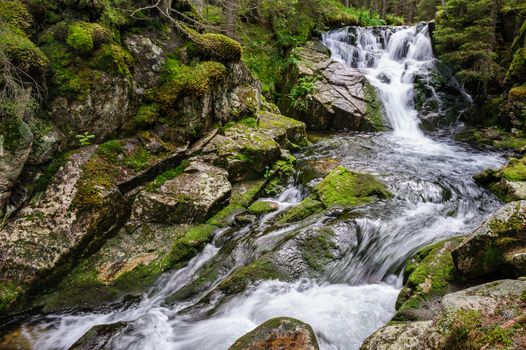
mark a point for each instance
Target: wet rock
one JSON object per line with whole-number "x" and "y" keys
{"x": 189, "y": 197}
{"x": 98, "y": 337}
{"x": 150, "y": 59}
{"x": 245, "y": 219}
{"x": 496, "y": 246}
{"x": 38, "y": 245}
{"x": 279, "y": 333}
{"x": 488, "y": 316}
{"x": 428, "y": 276}
{"x": 316, "y": 168}
{"x": 326, "y": 94}
{"x": 340, "y": 188}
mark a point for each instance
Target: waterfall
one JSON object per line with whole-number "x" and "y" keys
{"x": 389, "y": 58}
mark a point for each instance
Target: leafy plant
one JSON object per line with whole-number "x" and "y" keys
{"x": 85, "y": 138}
{"x": 300, "y": 91}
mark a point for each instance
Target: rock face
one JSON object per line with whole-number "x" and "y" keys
{"x": 279, "y": 334}
{"x": 45, "y": 235}
{"x": 488, "y": 316}
{"x": 498, "y": 246}
{"x": 189, "y": 197}
{"x": 327, "y": 95}
{"x": 16, "y": 140}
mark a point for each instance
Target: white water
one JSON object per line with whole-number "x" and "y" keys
{"x": 389, "y": 62}
{"x": 434, "y": 198}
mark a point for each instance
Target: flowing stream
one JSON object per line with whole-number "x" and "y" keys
{"x": 434, "y": 198}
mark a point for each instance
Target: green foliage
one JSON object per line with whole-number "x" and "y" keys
{"x": 299, "y": 92}
{"x": 466, "y": 40}
{"x": 85, "y": 138}
{"x": 365, "y": 17}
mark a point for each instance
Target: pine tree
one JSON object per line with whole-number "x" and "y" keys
{"x": 466, "y": 40}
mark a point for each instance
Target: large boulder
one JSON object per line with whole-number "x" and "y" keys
{"x": 102, "y": 111}
{"x": 327, "y": 94}
{"x": 489, "y": 316}
{"x": 16, "y": 139}
{"x": 498, "y": 246}
{"x": 281, "y": 333}
{"x": 245, "y": 148}
{"x": 40, "y": 243}
{"x": 189, "y": 197}
{"x": 508, "y": 182}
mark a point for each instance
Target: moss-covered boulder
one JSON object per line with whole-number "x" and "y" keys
{"x": 497, "y": 247}
{"x": 127, "y": 265}
{"x": 489, "y": 316}
{"x": 190, "y": 196}
{"x": 326, "y": 94}
{"x": 509, "y": 182}
{"x": 279, "y": 333}
{"x": 98, "y": 337}
{"x": 247, "y": 147}
{"x": 43, "y": 241}
{"x": 341, "y": 187}
{"x": 428, "y": 276}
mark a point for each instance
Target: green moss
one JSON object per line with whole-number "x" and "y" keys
{"x": 84, "y": 36}
{"x": 111, "y": 150}
{"x": 518, "y": 93}
{"x": 49, "y": 171}
{"x": 113, "y": 58}
{"x": 147, "y": 114}
{"x": 429, "y": 276}
{"x": 523, "y": 296}
{"x": 374, "y": 108}
{"x": 194, "y": 81}
{"x": 138, "y": 160}
{"x": 14, "y": 131}
{"x": 23, "y": 53}
{"x": 167, "y": 175}
{"x": 215, "y": 46}
{"x": 259, "y": 270}
{"x": 15, "y": 14}
{"x": 515, "y": 170}
{"x": 343, "y": 187}
{"x": 262, "y": 207}
{"x": 8, "y": 295}
{"x": 191, "y": 243}
{"x": 308, "y": 207}
{"x": 517, "y": 69}
{"x": 317, "y": 249}
{"x": 98, "y": 176}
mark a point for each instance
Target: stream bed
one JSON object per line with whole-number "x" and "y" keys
{"x": 434, "y": 197}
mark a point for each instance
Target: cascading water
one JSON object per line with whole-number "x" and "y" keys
{"x": 434, "y": 197}
{"x": 390, "y": 62}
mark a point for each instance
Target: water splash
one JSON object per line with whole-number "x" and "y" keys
{"x": 390, "y": 60}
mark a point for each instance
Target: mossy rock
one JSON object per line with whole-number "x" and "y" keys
{"x": 24, "y": 54}
{"x": 15, "y": 14}
{"x": 340, "y": 188}
{"x": 518, "y": 93}
{"x": 113, "y": 58}
{"x": 263, "y": 207}
{"x": 282, "y": 333}
{"x": 84, "y": 37}
{"x": 214, "y": 46}
{"x": 429, "y": 275}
